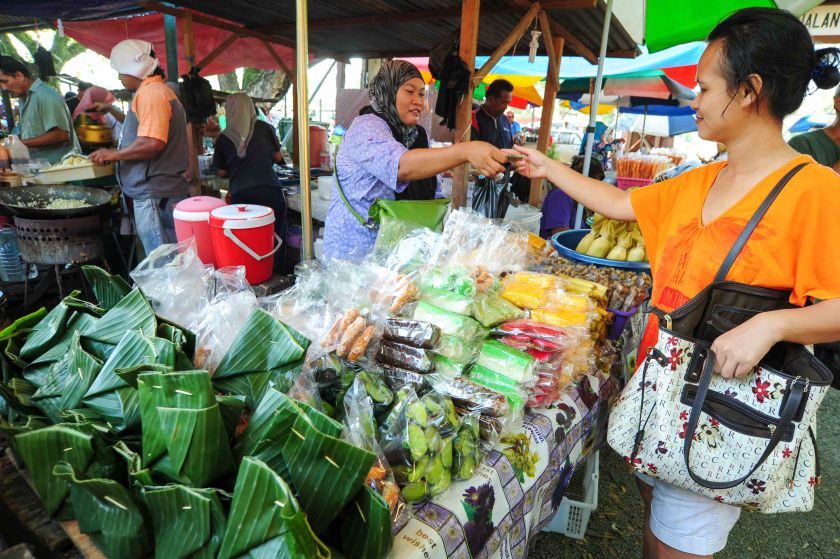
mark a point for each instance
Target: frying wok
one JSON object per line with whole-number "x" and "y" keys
{"x": 19, "y": 200}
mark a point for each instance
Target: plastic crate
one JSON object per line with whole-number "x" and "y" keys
{"x": 628, "y": 182}
{"x": 579, "y": 500}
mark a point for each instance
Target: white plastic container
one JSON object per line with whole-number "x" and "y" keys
{"x": 78, "y": 173}
{"x": 572, "y": 517}
{"x": 526, "y": 216}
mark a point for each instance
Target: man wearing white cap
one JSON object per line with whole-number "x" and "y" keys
{"x": 152, "y": 157}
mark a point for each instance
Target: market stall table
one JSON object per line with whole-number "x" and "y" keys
{"x": 517, "y": 489}
{"x": 319, "y": 206}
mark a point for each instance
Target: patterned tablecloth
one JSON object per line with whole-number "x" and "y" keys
{"x": 517, "y": 490}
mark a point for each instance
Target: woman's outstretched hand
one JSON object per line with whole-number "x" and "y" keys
{"x": 529, "y": 162}
{"x": 488, "y": 159}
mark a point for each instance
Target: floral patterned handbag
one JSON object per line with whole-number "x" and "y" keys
{"x": 746, "y": 442}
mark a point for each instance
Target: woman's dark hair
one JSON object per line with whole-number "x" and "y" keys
{"x": 596, "y": 170}
{"x": 775, "y": 45}
{"x": 10, "y": 66}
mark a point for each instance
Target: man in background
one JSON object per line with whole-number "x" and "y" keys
{"x": 45, "y": 126}
{"x": 153, "y": 157}
{"x": 515, "y": 128}
{"x": 823, "y": 144}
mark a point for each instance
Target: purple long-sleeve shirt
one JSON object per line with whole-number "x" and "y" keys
{"x": 367, "y": 165}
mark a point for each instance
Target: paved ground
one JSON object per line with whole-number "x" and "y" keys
{"x": 615, "y": 528}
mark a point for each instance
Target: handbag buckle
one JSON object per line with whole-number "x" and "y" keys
{"x": 806, "y": 380}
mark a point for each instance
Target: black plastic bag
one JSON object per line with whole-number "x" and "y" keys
{"x": 491, "y": 198}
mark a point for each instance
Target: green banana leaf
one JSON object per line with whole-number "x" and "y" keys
{"x": 81, "y": 306}
{"x": 49, "y": 395}
{"x": 184, "y": 435}
{"x": 325, "y": 471}
{"x": 265, "y": 519}
{"x": 17, "y": 393}
{"x": 232, "y": 408}
{"x": 14, "y": 427}
{"x": 251, "y": 386}
{"x": 109, "y": 395}
{"x": 366, "y": 526}
{"x": 106, "y": 512}
{"x": 78, "y": 322}
{"x": 50, "y": 329}
{"x": 268, "y": 426}
{"x": 108, "y": 289}
{"x": 23, "y": 323}
{"x": 139, "y": 476}
{"x": 187, "y": 522}
{"x": 172, "y": 332}
{"x": 263, "y": 344}
{"x": 133, "y": 312}
{"x": 82, "y": 372}
{"x": 42, "y": 449}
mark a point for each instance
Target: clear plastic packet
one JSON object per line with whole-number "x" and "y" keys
{"x": 417, "y": 439}
{"x": 471, "y": 240}
{"x": 328, "y": 377}
{"x": 352, "y": 334}
{"x": 405, "y": 357}
{"x": 529, "y": 290}
{"x": 175, "y": 280}
{"x": 304, "y": 306}
{"x": 468, "y": 449}
{"x": 223, "y": 317}
{"x": 491, "y": 309}
{"x": 507, "y": 361}
{"x": 415, "y": 333}
{"x": 411, "y": 254}
{"x": 360, "y": 430}
{"x": 396, "y": 379}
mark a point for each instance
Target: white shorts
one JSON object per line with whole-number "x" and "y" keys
{"x": 689, "y": 522}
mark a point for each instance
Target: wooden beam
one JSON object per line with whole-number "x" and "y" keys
{"x": 277, "y": 59}
{"x": 569, "y": 4}
{"x": 548, "y": 39}
{"x": 189, "y": 39}
{"x": 218, "y": 50}
{"x": 560, "y": 31}
{"x": 295, "y": 131}
{"x": 390, "y": 18}
{"x": 549, "y": 100}
{"x": 463, "y": 122}
{"x": 509, "y": 41}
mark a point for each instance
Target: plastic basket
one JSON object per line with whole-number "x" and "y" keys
{"x": 627, "y": 182}
{"x": 620, "y": 321}
{"x": 565, "y": 242}
{"x": 579, "y": 500}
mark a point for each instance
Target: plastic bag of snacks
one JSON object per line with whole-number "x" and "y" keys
{"x": 417, "y": 439}
{"x": 305, "y": 305}
{"x": 360, "y": 430}
{"x": 529, "y": 290}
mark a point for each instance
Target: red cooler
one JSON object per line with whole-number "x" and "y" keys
{"x": 243, "y": 235}
{"x": 192, "y": 220}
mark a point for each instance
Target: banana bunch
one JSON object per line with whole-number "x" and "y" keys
{"x": 614, "y": 240}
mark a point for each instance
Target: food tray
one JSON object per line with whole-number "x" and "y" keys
{"x": 79, "y": 173}
{"x": 566, "y": 241}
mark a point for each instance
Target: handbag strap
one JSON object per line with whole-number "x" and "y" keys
{"x": 362, "y": 221}
{"x": 753, "y": 223}
{"x": 796, "y": 392}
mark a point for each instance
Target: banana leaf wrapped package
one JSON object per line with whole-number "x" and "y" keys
{"x": 184, "y": 435}
{"x": 263, "y": 345}
{"x": 187, "y": 522}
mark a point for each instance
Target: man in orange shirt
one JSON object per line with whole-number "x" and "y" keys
{"x": 152, "y": 157}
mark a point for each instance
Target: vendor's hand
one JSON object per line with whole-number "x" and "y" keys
{"x": 488, "y": 159}
{"x": 739, "y": 350}
{"x": 104, "y": 156}
{"x": 101, "y": 106}
{"x": 534, "y": 165}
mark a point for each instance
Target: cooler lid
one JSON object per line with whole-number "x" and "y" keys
{"x": 197, "y": 208}
{"x": 241, "y": 216}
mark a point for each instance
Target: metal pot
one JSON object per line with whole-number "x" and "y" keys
{"x": 30, "y": 201}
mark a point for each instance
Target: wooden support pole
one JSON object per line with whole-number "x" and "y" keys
{"x": 189, "y": 39}
{"x": 463, "y": 122}
{"x": 217, "y": 51}
{"x": 549, "y": 100}
{"x": 278, "y": 60}
{"x": 553, "y": 56}
{"x": 340, "y": 76}
{"x": 295, "y": 131}
{"x": 170, "y": 34}
{"x": 508, "y": 43}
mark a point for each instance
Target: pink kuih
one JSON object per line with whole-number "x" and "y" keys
{"x": 243, "y": 235}
{"x": 192, "y": 220}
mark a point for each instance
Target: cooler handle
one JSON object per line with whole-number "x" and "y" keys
{"x": 230, "y": 235}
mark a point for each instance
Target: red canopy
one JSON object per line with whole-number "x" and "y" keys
{"x": 101, "y": 36}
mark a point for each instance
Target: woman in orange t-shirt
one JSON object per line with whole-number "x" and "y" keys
{"x": 749, "y": 81}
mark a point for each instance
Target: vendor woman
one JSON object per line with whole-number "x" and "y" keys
{"x": 385, "y": 154}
